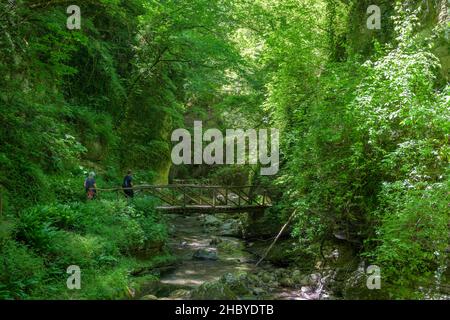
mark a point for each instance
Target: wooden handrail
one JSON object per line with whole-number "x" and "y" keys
{"x": 196, "y": 194}
{"x": 168, "y": 186}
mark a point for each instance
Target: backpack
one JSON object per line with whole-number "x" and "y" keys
{"x": 89, "y": 183}
{"x": 126, "y": 182}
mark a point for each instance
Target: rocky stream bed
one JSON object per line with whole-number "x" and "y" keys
{"x": 216, "y": 263}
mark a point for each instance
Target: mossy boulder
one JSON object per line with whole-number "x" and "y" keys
{"x": 238, "y": 283}
{"x": 213, "y": 290}
{"x": 180, "y": 294}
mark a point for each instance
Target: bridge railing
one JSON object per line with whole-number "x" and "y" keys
{"x": 186, "y": 195}
{"x": 203, "y": 182}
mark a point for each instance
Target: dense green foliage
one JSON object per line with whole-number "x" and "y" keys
{"x": 364, "y": 119}
{"x": 366, "y": 147}
{"x": 100, "y": 237}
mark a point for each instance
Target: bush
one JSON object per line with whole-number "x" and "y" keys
{"x": 111, "y": 221}
{"x": 146, "y": 206}
{"x": 38, "y": 224}
{"x": 111, "y": 285}
{"x": 412, "y": 238}
{"x": 68, "y": 248}
{"x": 94, "y": 235}
{"x": 129, "y": 227}
{"x": 150, "y": 220}
{"x": 67, "y": 189}
{"x": 21, "y": 271}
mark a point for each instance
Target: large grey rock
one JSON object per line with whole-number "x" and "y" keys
{"x": 212, "y": 221}
{"x": 231, "y": 228}
{"x": 203, "y": 254}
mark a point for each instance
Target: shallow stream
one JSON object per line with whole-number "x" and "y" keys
{"x": 205, "y": 256}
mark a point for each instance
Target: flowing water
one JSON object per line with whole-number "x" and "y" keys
{"x": 189, "y": 235}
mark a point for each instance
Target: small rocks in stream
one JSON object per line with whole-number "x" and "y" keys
{"x": 184, "y": 244}
{"x": 149, "y": 297}
{"x": 203, "y": 254}
{"x": 315, "y": 278}
{"x": 310, "y": 293}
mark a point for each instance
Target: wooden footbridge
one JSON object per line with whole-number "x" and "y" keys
{"x": 190, "y": 198}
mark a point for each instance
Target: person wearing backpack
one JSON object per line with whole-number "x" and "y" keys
{"x": 90, "y": 186}
{"x": 128, "y": 184}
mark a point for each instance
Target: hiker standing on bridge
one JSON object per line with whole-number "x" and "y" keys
{"x": 128, "y": 184}
{"x": 90, "y": 186}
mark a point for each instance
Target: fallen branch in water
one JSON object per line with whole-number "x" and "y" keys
{"x": 274, "y": 241}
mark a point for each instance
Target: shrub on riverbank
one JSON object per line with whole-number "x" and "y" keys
{"x": 101, "y": 237}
